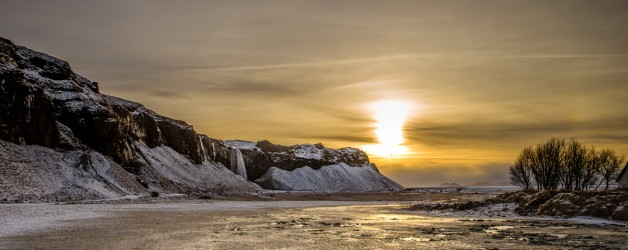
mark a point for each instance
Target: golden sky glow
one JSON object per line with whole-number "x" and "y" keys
{"x": 481, "y": 79}
{"x": 390, "y": 117}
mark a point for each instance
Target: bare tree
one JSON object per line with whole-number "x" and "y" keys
{"x": 591, "y": 169}
{"x": 573, "y": 166}
{"x": 610, "y": 163}
{"x": 521, "y": 171}
{"x": 547, "y": 166}
{"x": 573, "y": 161}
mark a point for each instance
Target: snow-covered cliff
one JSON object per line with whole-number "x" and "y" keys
{"x": 61, "y": 139}
{"x": 311, "y": 167}
{"x": 64, "y": 140}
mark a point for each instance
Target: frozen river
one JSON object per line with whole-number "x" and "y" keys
{"x": 192, "y": 224}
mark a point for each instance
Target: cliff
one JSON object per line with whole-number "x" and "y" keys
{"x": 61, "y": 139}
{"x": 310, "y": 167}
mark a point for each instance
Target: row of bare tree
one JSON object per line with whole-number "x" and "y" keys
{"x": 558, "y": 164}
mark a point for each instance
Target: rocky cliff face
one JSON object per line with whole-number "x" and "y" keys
{"x": 48, "y": 111}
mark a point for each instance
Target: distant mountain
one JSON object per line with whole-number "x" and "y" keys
{"x": 490, "y": 184}
{"x": 61, "y": 139}
{"x": 453, "y": 184}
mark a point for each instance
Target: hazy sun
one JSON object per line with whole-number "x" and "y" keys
{"x": 390, "y": 116}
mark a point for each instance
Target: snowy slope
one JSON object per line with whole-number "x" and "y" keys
{"x": 337, "y": 178}
{"x": 207, "y": 176}
{"x": 36, "y": 173}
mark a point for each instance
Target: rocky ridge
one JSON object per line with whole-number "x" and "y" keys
{"x": 310, "y": 167}
{"x": 61, "y": 139}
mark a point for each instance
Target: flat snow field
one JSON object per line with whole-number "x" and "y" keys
{"x": 293, "y": 224}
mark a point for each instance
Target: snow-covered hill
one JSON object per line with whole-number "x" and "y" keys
{"x": 337, "y": 177}
{"x": 61, "y": 139}
{"x": 310, "y": 167}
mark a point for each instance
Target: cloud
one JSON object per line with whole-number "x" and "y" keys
{"x": 248, "y": 87}
{"x": 426, "y": 172}
{"x": 312, "y": 64}
{"x": 388, "y": 58}
{"x": 343, "y": 138}
{"x": 168, "y": 94}
{"x": 472, "y": 131}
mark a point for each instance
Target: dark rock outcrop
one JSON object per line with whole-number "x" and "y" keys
{"x": 36, "y": 122}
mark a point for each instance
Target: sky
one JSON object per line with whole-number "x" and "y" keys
{"x": 474, "y": 82}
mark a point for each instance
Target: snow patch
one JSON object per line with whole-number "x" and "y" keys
{"x": 308, "y": 151}
{"x": 239, "y": 144}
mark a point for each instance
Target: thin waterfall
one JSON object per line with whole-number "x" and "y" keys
{"x": 237, "y": 162}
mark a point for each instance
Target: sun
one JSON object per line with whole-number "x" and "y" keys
{"x": 390, "y": 116}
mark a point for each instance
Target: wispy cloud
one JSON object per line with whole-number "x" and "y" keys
{"x": 515, "y": 134}
{"x": 314, "y": 64}
{"x": 339, "y": 137}
{"x": 168, "y": 94}
{"x": 430, "y": 172}
{"x": 387, "y": 58}
{"x": 559, "y": 56}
